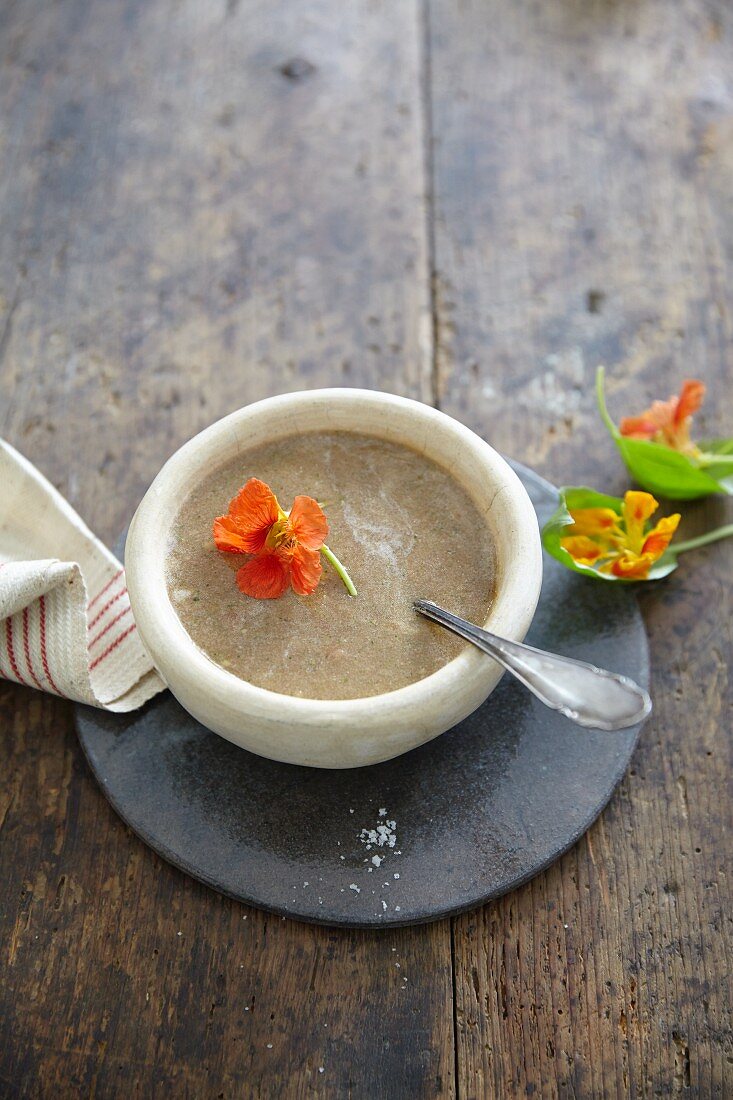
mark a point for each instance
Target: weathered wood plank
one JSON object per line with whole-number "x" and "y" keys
{"x": 202, "y": 204}
{"x": 583, "y": 174}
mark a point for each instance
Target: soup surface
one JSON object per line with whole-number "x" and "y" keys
{"x": 401, "y": 526}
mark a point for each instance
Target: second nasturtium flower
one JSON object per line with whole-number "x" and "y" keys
{"x": 668, "y": 422}
{"x": 285, "y": 547}
{"x": 659, "y": 453}
{"x": 611, "y": 539}
{"x": 618, "y": 543}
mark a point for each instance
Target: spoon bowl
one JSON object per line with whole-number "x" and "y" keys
{"x": 587, "y": 695}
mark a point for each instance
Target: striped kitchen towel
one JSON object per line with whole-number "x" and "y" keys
{"x": 66, "y": 625}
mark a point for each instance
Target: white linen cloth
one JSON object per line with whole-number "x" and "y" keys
{"x": 66, "y": 625}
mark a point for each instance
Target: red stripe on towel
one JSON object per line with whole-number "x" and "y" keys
{"x": 106, "y": 608}
{"x": 27, "y": 650}
{"x": 109, "y": 626}
{"x": 44, "y": 655}
{"x": 107, "y": 586}
{"x": 11, "y": 654}
{"x": 112, "y": 647}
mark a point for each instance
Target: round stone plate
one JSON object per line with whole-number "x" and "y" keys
{"x": 464, "y": 818}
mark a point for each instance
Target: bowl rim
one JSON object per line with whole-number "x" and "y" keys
{"x": 161, "y": 628}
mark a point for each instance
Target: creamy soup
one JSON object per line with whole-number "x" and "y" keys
{"x": 400, "y": 524}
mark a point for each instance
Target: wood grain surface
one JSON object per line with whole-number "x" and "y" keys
{"x": 467, "y": 201}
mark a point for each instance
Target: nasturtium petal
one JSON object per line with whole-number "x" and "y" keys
{"x": 255, "y": 509}
{"x": 305, "y": 570}
{"x": 265, "y": 576}
{"x": 308, "y": 523}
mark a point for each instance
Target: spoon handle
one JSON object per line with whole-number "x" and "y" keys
{"x": 590, "y": 696}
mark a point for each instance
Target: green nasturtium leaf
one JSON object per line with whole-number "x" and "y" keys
{"x": 669, "y": 473}
{"x": 573, "y": 498}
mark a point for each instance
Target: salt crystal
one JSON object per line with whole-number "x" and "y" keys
{"x": 321, "y": 1069}
{"x": 396, "y": 908}
{"x": 396, "y": 875}
{"x": 384, "y": 835}
{"x": 269, "y": 1046}
{"x": 179, "y": 933}
{"x": 384, "y": 906}
{"x": 376, "y": 860}
{"x": 354, "y": 887}
{"x": 382, "y": 812}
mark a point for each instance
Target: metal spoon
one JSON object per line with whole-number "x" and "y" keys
{"x": 590, "y": 696}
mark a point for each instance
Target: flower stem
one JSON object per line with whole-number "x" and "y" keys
{"x": 601, "y": 399}
{"x": 331, "y": 557}
{"x": 703, "y": 540}
{"x": 711, "y": 459}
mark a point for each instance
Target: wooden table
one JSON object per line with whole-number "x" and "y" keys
{"x": 472, "y": 202}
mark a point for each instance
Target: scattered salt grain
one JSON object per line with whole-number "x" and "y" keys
{"x": 376, "y": 860}
{"x": 384, "y": 835}
{"x": 382, "y": 812}
{"x": 354, "y": 887}
{"x": 384, "y": 906}
{"x": 269, "y": 1046}
{"x": 179, "y": 933}
{"x": 396, "y": 908}
{"x": 321, "y": 1069}
{"x": 396, "y": 875}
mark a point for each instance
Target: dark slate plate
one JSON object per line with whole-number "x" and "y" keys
{"x": 477, "y": 811}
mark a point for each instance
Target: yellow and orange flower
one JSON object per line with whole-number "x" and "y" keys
{"x": 668, "y": 422}
{"x": 284, "y": 545}
{"x": 618, "y": 543}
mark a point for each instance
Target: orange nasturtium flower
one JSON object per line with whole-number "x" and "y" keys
{"x": 618, "y": 543}
{"x": 284, "y": 546}
{"x": 668, "y": 422}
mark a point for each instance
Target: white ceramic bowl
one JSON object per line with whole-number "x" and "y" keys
{"x": 340, "y": 733}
